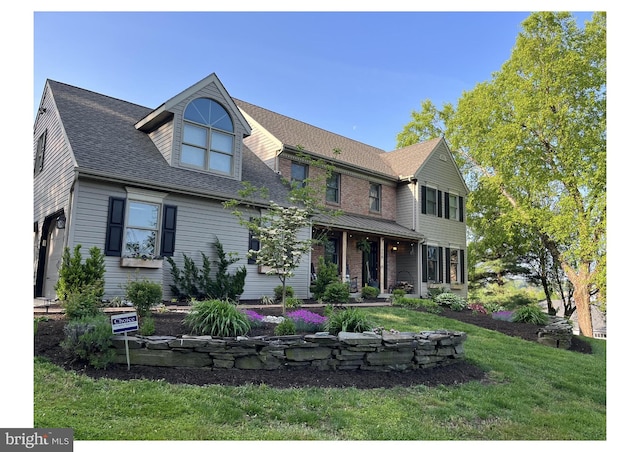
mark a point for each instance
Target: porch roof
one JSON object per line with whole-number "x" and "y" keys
{"x": 368, "y": 225}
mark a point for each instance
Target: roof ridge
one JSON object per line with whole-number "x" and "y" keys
{"x": 381, "y": 151}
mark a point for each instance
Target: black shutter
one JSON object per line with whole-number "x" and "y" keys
{"x": 425, "y": 263}
{"x": 461, "y": 207}
{"x": 439, "y": 202}
{"x": 423, "y": 198}
{"x": 447, "y": 264}
{"x": 439, "y": 264}
{"x": 115, "y": 227}
{"x": 168, "y": 234}
{"x": 446, "y": 205}
{"x": 461, "y": 266}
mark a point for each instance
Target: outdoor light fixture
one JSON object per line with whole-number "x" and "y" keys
{"x": 61, "y": 221}
{"x": 394, "y": 248}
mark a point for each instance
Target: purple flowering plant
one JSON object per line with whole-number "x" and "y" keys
{"x": 255, "y": 319}
{"x": 307, "y": 321}
{"x": 503, "y": 315}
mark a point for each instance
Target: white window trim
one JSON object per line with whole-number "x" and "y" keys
{"x": 438, "y": 201}
{"x": 149, "y": 197}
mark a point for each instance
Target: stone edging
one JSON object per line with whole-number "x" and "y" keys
{"x": 388, "y": 351}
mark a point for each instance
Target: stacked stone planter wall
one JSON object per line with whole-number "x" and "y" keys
{"x": 557, "y": 333}
{"x": 346, "y": 351}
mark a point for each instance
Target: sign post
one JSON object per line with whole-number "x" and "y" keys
{"x": 122, "y": 323}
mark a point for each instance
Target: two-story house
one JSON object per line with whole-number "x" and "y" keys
{"x": 408, "y": 204}
{"x": 137, "y": 181}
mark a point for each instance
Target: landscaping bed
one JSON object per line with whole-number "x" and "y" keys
{"x": 50, "y": 333}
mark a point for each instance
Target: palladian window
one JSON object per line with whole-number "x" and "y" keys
{"x": 208, "y": 139}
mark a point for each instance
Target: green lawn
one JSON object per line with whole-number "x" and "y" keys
{"x": 534, "y": 393}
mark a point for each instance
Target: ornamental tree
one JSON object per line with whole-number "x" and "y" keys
{"x": 284, "y": 231}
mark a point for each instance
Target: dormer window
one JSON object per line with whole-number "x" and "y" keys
{"x": 208, "y": 139}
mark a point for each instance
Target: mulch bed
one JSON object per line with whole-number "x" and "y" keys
{"x": 50, "y": 333}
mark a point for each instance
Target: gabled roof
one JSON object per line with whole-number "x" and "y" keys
{"x": 105, "y": 143}
{"x": 319, "y": 142}
{"x": 407, "y": 161}
{"x": 163, "y": 112}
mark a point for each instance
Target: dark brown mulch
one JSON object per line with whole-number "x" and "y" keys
{"x": 50, "y": 333}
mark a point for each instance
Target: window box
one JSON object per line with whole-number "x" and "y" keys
{"x": 140, "y": 263}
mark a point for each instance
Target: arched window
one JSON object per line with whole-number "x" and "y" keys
{"x": 208, "y": 136}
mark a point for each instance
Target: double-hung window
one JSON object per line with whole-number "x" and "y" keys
{"x": 455, "y": 265}
{"x": 208, "y": 139}
{"x": 333, "y": 188}
{"x": 431, "y": 264}
{"x": 375, "y": 191}
{"x": 141, "y": 233}
{"x": 429, "y": 200}
{"x": 140, "y": 226}
{"x": 331, "y": 251}
{"x": 299, "y": 174}
{"x": 453, "y": 206}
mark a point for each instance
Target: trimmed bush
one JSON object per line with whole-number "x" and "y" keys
{"x": 370, "y": 292}
{"x": 77, "y": 277}
{"x": 81, "y": 304}
{"x": 143, "y": 294}
{"x": 89, "y": 339}
{"x": 336, "y": 292}
{"x": 277, "y": 292}
{"x": 327, "y": 273}
{"x": 351, "y": 320}
{"x": 217, "y": 318}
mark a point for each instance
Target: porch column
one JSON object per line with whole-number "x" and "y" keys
{"x": 343, "y": 256}
{"x": 382, "y": 276}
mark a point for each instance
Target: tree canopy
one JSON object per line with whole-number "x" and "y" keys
{"x": 533, "y": 143}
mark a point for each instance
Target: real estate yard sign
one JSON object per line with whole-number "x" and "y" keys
{"x": 122, "y": 323}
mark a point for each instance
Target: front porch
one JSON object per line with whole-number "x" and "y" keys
{"x": 367, "y": 259}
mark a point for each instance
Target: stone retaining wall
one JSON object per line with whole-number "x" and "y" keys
{"x": 346, "y": 351}
{"x": 557, "y": 333}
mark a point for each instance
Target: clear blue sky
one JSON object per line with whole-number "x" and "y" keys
{"x": 358, "y": 74}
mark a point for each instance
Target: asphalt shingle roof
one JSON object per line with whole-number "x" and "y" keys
{"x": 294, "y": 133}
{"x": 365, "y": 224}
{"x": 408, "y": 160}
{"x": 105, "y": 142}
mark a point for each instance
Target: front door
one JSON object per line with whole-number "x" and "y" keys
{"x": 370, "y": 266}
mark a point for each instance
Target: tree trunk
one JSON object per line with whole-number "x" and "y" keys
{"x": 581, "y": 295}
{"x": 284, "y": 296}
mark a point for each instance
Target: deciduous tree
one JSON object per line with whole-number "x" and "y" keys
{"x": 536, "y": 135}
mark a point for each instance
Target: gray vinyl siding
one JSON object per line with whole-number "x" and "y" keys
{"x": 163, "y": 139}
{"x": 210, "y": 91}
{"x": 199, "y": 222}
{"x": 406, "y": 205}
{"x": 445, "y": 232}
{"x": 52, "y": 186}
